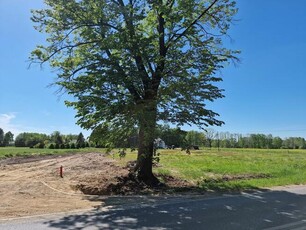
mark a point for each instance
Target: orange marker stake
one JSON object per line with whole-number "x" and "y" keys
{"x": 61, "y": 171}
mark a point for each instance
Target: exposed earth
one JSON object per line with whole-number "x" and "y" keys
{"x": 32, "y": 185}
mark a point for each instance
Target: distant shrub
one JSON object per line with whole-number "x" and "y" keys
{"x": 51, "y": 146}
{"x": 62, "y": 146}
{"x": 72, "y": 146}
{"x": 39, "y": 145}
{"x": 57, "y": 146}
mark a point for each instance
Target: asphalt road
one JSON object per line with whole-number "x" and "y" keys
{"x": 272, "y": 210}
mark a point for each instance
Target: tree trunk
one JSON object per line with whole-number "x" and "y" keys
{"x": 146, "y": 136}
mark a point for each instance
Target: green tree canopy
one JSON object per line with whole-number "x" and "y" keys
{"x": 29, "y": 139}
{"x": 1, "y": 137}
{"x": 8, "y": 137}
{"x": 57, "y": 138}
{"x": 69, "y": 138}
{"x": 132, "y": 63}
{"x": 173, "y": 137}
{"x": 195, "y": 138}
{"x": 81, "y": 140}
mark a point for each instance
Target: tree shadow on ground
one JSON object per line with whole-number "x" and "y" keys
{"x": 260, "y": 209}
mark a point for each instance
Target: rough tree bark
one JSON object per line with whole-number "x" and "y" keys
{"x": 146, "y": 136}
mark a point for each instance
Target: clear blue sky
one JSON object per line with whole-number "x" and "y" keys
{"x": 265, "y": 93}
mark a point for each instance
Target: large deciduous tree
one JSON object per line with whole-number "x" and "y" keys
{"x": 57, "y": 138}
{"x": 132, "y": 63}
{"x": 8, "y": 138}
{"x": 80, "y": 140}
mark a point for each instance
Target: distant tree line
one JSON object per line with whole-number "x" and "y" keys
{"x": 261, "y": 141}
{"x": 54, "y": 141}
{"x": 39, "y": 140}
{"x": 173, "y": 137}
{"x": 211, "y": 138}
{"x": 6, "y": 139}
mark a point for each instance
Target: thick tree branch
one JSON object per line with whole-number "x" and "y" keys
{"x": 170, "y": 3}
{"x": 135, "y": 47}
{"x": 162, "y": 52}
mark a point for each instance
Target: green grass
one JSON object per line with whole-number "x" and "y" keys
{"x": 232, "y": 169}
{"x": 236, "y": 169}
{"x": 210, "y": 169}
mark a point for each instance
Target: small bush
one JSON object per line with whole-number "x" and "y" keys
{"x": 51, "y": 146}
{"x": 39, "y": 145}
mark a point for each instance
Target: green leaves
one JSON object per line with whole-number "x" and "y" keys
{"x": 115, "y": 55}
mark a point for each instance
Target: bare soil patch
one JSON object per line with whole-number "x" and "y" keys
{"x": 32, "y": 185}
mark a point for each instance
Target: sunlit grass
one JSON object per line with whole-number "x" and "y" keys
{"x": 232, "y": 169}
{"x": 236, "y": 169}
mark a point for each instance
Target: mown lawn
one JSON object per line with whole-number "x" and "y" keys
{"x": 212, "y": 169}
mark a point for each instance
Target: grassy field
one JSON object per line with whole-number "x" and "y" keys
{"x": 235, "y": 169}
{"x": 227, "y": 169}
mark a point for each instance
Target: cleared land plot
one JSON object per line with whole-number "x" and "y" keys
{"x": 32, "y": 185}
